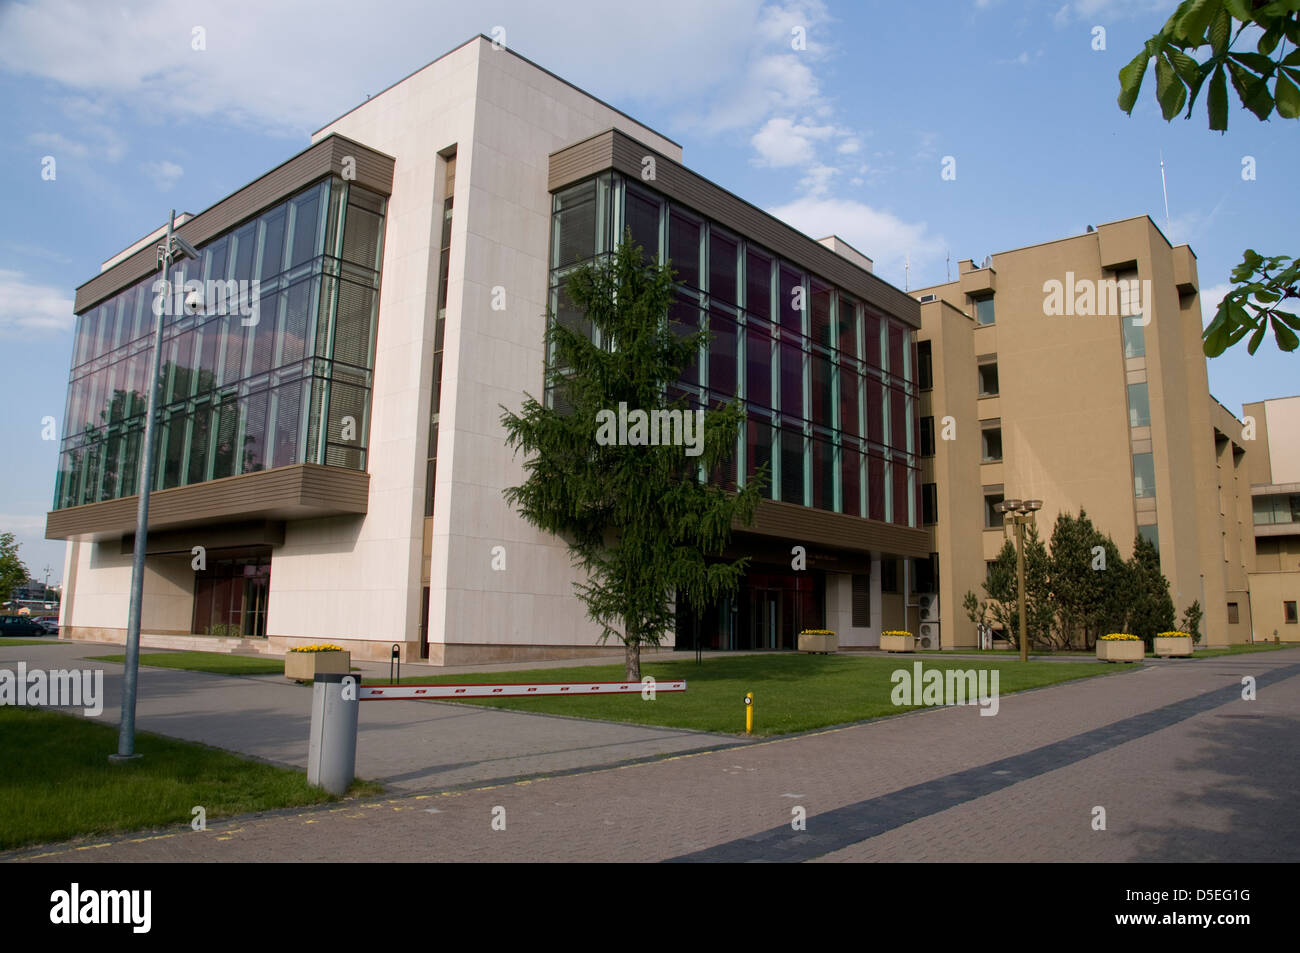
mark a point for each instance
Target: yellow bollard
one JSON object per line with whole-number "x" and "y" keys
{"x": 749, "y": 713}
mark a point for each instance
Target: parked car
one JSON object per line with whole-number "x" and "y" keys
{"x": 50, "y": 623}
{"x": 19, "y": 625}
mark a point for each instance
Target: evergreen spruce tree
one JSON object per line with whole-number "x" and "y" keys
{"x": 639, "y": 519}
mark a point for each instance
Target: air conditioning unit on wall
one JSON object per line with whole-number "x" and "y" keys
{"x": 929, "y": 635}
{"x": 929, "y": 605}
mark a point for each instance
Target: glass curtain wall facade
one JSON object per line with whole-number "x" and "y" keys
{"x": 828, "y": 382}
{"x": 248, "y": 390}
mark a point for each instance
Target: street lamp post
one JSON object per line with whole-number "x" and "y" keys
{"x": 1020, "y": 513}
{"x": 174, "y": 249}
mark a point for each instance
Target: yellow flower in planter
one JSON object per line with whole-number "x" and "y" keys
{"x": 1175, "y": 635}
{"x": 895, "y": 632}
{"x": 317, "y": 648}
{"x": 1120, "y": 637}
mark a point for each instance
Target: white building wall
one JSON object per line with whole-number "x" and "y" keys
{"x": 347, "y": 579}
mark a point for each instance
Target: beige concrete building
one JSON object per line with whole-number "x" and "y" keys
{"x": 1072, "y": 372}
{"x": 1274, "y": 468}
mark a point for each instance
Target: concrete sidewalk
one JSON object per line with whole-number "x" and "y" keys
{"x": 407, "y": 746}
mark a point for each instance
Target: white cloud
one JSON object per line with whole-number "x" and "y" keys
{"x": 817, "y": 180}
{"x": 58, "y": 145}
{"x": 1111, "y": 10}
{"x": 1210, "y": 298}
{"x": 164, "y": 174}
{"x": 880, "y": 235}
{"x": 275, "y": 66}
{"x": 783, "y": 142}
{"x": 25, "y": 306}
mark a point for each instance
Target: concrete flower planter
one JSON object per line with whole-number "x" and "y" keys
{"x": 305, "y": 666}
{"x": 1168, "y": 646}
{"x": 818, "y": 642}
{"x": 1121, "y": 651}
{"x": 898, "y": 643}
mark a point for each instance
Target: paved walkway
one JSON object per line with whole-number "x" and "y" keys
{"x": 1184, "y": 768}
{"x": 407, "y": 746}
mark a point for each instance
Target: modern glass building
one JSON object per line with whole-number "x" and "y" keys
{"x": 826, "y": 378}
{"x": 330, "y": 456}
{"x": 245, "y": 390}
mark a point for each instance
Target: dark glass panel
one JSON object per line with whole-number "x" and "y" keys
{"x": 285, "y": 423}
{"x": 875, "y": 410}
{"x": 871, "y": 339}
{"x": 821, "y": 330}
{"x": 790, "y": 300}
{"x": 897, "y": 340}
{"x": 791, "y": 380}
{"x": 846, "y": 323}
{"x": 200, "y": 442}
{"x": 791, "y": 465}
{"x": 722, "y": 267}
{"x": 306, "y": 229}
{"x": 875, "y": 487}
{"x": 684, "y": 320}
{"x": 361, "y": 233}
{"x": 851, "y": 479}
{"x": 758, "y": 284}
{"x": 823, "y": 474}
{"x": 758, "y": 364}
{"x": 823, "y": 390}
{"x": 245, "y": 247}
{"x": 272, "y": 259}
{"x": 849, "y": 382}
{"x": 722, "y": 353}
{"x": 218, "y": 258}
{"x": 296, "y": 328}
{"x": 226, "y": 413}
{"x": 898, "y": 419}
{"x": 575, "y": 224}
{"x": 173, "y": 457}
{"x": 253, "y": 457}
{"x": 641, "y": 217}
{"x": 684, "y": 247}
{"x": 901, "y": 490}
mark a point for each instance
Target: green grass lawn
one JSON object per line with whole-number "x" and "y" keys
{"x": 4, "y": 642}
{"x": 218, "y": 663}
{"x": 57, "y": 782}
{"x": 791, "y": 692}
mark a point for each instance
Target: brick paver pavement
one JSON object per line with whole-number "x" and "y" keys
{"x": 1184, "y": 768}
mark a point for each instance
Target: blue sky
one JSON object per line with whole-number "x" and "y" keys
{"x": 847, "y": 135}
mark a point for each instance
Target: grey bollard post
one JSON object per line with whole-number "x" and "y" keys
{"x": 332, "y": 755}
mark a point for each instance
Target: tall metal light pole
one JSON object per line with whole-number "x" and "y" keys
{"x": 173, "y": 250}
{"x": 1020, "y": 513}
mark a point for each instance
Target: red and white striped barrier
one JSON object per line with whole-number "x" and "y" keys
{"x": 512, "y": 690}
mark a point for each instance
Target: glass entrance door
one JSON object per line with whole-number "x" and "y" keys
{"x": 232, "y": 594}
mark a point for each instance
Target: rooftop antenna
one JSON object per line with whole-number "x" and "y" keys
{"x": 947, "y": 265}
{"x": 1165, "y": 190}
{"x": 907, "y": 271}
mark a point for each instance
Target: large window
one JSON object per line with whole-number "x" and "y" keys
{"x": 1139, "y": 409}
{"x": 984, "y": 310}
{"x": 988, "y": 379}
{"x": 1135, "y": 344}
{"x": 828, "y": 381}
{"x": 1144, "y": 475}
{"x": 264, "y": 375}
{"x": 991, "y": 441}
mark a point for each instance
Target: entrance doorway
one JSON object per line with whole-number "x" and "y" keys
{"x": 232, "y": 594}
{"x": 768, "y": 611}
